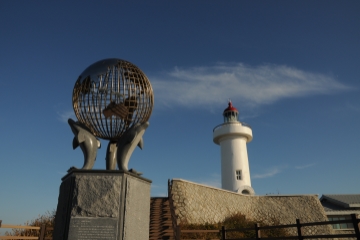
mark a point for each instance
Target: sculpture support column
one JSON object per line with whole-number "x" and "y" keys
{"x": 98, "y": 204}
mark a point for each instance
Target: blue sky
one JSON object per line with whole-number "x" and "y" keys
{"x": 290, "y": 67}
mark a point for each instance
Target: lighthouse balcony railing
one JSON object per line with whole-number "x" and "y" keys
{"x": 231, "y": 123}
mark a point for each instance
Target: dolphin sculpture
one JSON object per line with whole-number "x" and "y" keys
{"x": 127, "y": 143}
{"x": 111, "y": 156}
{"x": 87, "y": 142}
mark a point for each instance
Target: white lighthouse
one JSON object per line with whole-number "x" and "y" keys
{"x": 232, "y": 137}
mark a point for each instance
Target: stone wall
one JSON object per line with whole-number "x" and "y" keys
{"x": 196, "y": 203}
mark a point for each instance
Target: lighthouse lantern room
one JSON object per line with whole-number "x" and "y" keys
{"x": 232, "y": 137}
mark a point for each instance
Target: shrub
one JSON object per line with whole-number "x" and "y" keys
{"x": 234, "y": 221}
{"x": 48, "y": 219}
{"x": 237, "y": 221}
{"x": 206, "y": 226}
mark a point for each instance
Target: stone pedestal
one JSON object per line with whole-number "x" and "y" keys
{"x": 98, "y": 204}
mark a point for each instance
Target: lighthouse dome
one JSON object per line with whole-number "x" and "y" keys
{"x": 230, "y": 108}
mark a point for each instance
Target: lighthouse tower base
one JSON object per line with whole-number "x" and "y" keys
{"x": 247, "y": 190}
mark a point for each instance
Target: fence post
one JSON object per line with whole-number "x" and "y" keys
{"x": 298, "y": 226}
{"x": 223, "y": 233}
{"x": 178, "y": 233}
{"x": 356, "y": 226}
{"x": 257, "y": 231}
{"x": 42, "y": 232}
{"x": 168, "y": 187}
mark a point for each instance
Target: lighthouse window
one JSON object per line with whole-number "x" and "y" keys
{"x": 230, "y": 117}
{"x": 238, "y": 174}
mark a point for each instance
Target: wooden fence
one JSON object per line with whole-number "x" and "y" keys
{"x": 42, "y": 230}
{"x": 257, "y": 228}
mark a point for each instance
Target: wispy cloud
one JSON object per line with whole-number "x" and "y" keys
{"x": 355, "y": 107}
{"x": 214, "y": 180}
{"x": 64, "y": 116}
{"x": 268, "y": 173}
{"x": 158, "y": 194}
{"x": 253, "y": 86}
{"x": 158, "y": 190}
{"x": 305, "y": 166}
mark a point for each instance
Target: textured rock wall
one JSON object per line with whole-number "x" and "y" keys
{"x": 196, "y": 203}
{"x": 96, "y": 196}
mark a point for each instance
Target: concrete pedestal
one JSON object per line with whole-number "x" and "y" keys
{"x": 98, "y": 204}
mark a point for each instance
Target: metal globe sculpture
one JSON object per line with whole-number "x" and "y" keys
{"x": 113, "y": 100}
{"x": 111, "y": 96}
